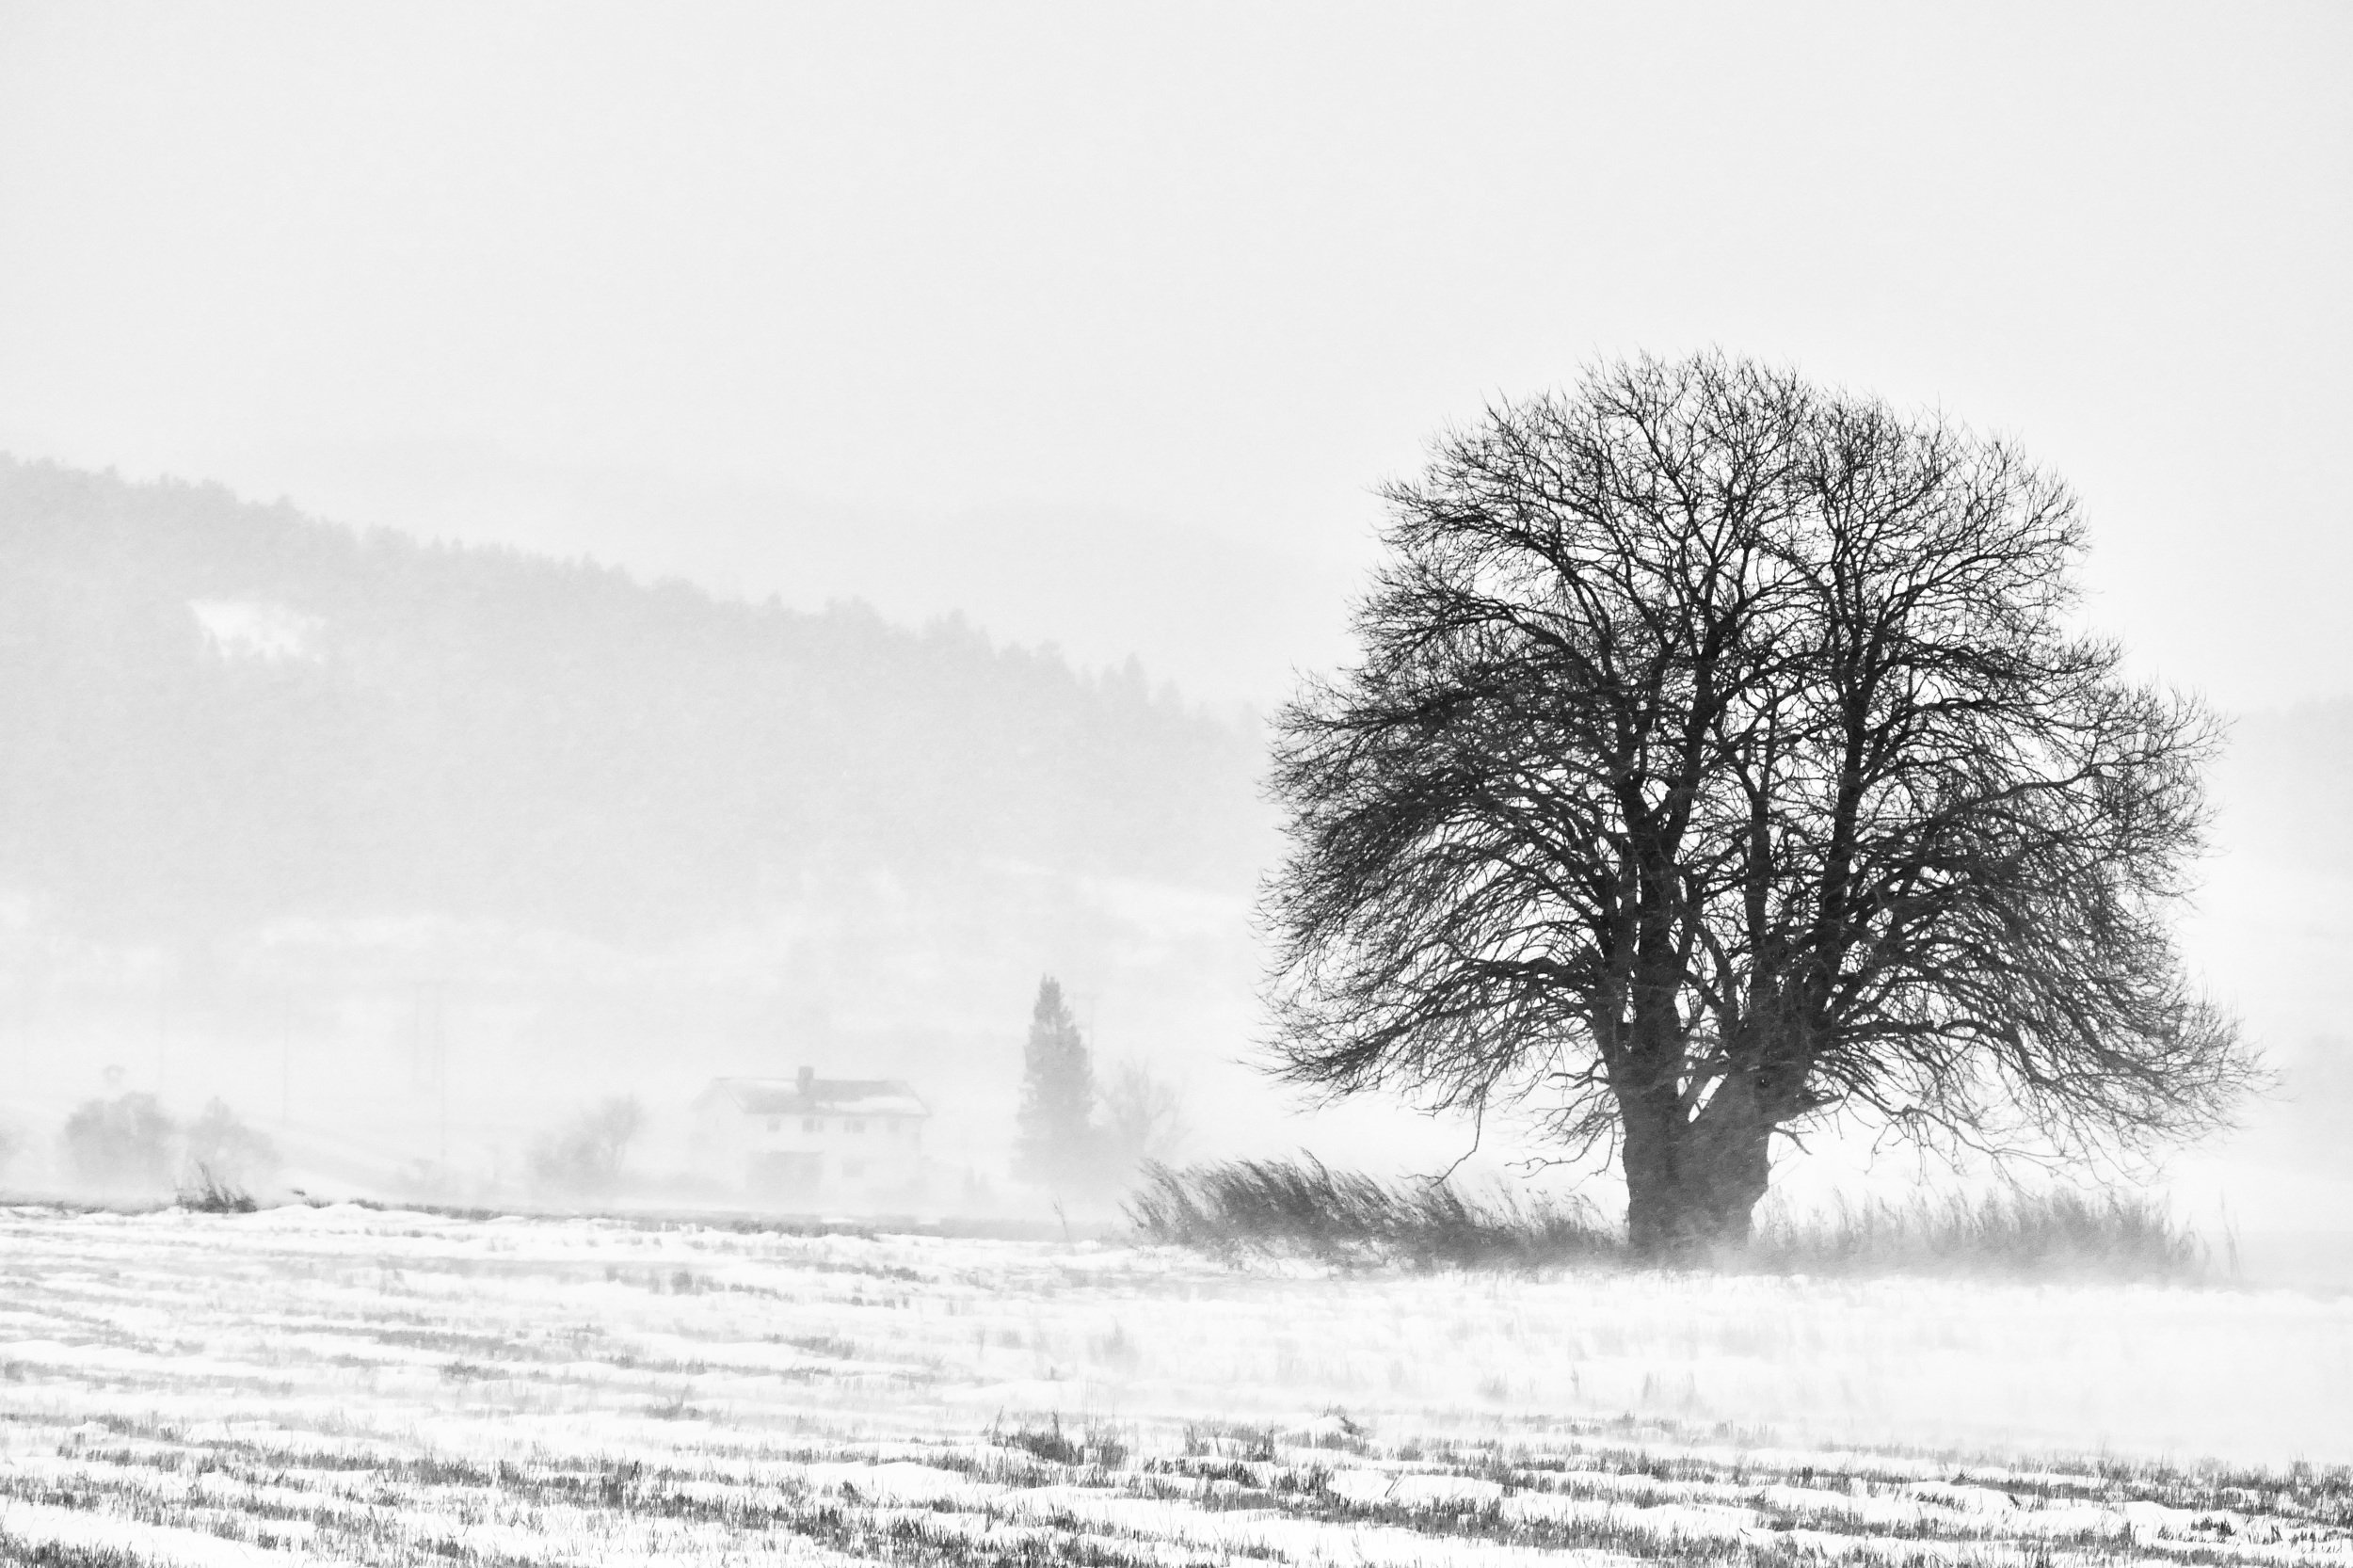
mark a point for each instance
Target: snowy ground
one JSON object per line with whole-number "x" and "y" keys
{"x": 349, "y": 1384}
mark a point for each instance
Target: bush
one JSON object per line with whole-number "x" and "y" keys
{"x": 584, "y": 1158}
{"x": 221, "y": 1146}
{"x": 1303, "y": 1206}
{"x": 122, "y": 1145}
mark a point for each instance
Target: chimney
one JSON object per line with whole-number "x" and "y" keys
{"x": 807, "y": 1080}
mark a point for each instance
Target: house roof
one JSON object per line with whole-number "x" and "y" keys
{"x": 831, "y": 1096}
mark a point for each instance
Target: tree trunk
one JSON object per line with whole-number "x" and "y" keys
{"x": 1692, "y": 1182}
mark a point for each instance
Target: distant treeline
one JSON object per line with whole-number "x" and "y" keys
{"x": 218, "y": 712}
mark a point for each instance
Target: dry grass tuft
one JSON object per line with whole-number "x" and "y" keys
{"x": 206, "y": 1191}
{"x": 2054, "y": 1234}
{"x": 1303, "y": 1207}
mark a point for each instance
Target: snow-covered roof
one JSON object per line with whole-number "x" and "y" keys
{"x": 810, "y": 1096}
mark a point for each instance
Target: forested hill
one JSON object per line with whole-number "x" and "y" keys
{"x": 223, "y": 712}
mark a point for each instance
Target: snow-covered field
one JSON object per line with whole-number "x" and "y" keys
{"x": 344, "y": 1384}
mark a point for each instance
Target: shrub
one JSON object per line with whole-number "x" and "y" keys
{"x": 221, "y": 1146}
{"x": 584, "y": 1158}
{"x": 120, "y": 1145}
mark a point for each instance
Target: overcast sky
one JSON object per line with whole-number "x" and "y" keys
{"x": 1101, "y": 321}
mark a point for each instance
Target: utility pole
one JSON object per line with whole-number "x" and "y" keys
{"x": 440, "y": 1072}
{"x": 162, "y": 1014}
{"x": 285, "y": 1059}
{"x": 429, "y": 1056}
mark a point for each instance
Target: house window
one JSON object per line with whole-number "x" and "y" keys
{"x": 776, "y": 1124}
{"x": 812, "y": 1124}
{"x": 853, "y": 1167}
{"x": 857, "y": 1127}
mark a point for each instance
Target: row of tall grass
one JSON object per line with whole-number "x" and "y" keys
{"x": 2046, "y": 1234}
{"x": 1302, "y": 1208}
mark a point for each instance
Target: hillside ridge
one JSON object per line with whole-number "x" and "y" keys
{"x": 227, "y": 711}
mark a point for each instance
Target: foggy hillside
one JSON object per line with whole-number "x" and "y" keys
{"x": 422, "y": 844}
{"x": 231, "y": 713}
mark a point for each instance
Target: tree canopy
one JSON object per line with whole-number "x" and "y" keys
{"x": 1720, "y": 758}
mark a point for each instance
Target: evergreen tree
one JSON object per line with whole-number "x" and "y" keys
{"x": 1055, "y": 1140}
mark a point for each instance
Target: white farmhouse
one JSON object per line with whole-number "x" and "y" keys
{"x": 803, "y": 1140}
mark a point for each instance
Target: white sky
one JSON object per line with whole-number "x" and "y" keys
{"x": 1100, "y": 321}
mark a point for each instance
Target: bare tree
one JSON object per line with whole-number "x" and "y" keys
{"x": 220, "y": 1148}
{"x": 1719, "y": 760}
{"x": 586, "y": 1157}
{"x": 1143, "y": 1119}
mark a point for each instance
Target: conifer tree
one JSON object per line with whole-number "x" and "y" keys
{"x": 1054, "y": 1141}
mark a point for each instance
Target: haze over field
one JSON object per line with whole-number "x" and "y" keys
{"x": 706, "y": 363}
{"x": 385, "y": 839}
{"x": 551, "y": 826}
